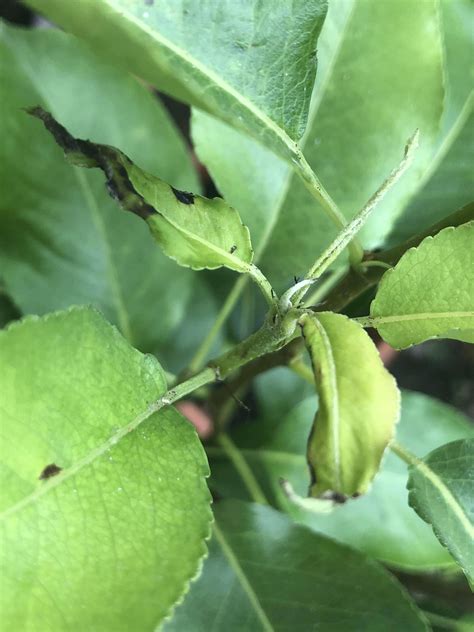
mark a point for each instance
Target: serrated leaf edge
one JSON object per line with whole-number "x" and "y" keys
{"x": 445, "y": 492}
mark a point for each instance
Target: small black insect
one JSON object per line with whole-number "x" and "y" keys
{"x": 183, "y": 196}
{"x": 50, "y": 470}
{"x": 233, "y": 249}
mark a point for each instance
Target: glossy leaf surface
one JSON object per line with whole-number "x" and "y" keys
{"x": 251, "y": 63}
{"x": 430, "y": 292}
{"x": 266, "y": 573}
{"x": 359, "y": 405}
{"x": 379, "y": 78}
{"x": 101, "y": 502}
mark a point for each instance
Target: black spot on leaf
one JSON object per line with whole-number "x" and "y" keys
{"x": 183, "y": 196}
{"x": 233, "y": 249}
{"x": 50, "y": 470}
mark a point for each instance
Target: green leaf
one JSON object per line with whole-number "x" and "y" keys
{"x": 62, "y": 241}
{"x": 102, "y": 502}
{"x": 193, "y": 230}
{"x": 359, "y": 406}
{"x": 251, "y": 64}
{"x": 380, "y": 523}
{"x": 198, "y": 320}
{"x": 265, "y": 573}
{"x": 278, "y": 391}
{"x": 447, "y": 182}
{"x": 430, "y": 292}
{"x": 440, "y": 488}
{"x": 366, "y": 104}
{"x": 458, "y": 41}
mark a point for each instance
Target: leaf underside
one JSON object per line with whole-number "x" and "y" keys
{"x": 381, "y": 523}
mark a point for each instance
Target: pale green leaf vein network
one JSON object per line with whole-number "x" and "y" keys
{"x": 204, "y": 377}
{"x": 234, "y": 563}
{"x": 84, "y": 185}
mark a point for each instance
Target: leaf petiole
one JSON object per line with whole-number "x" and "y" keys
{"x": 349, "y": 231}
{"x": 261, "y": 280}
{"x": 404, "y": 454}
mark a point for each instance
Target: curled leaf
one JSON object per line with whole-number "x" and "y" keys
{"x": 195, "y": 231}
{"x": 359, "y": 405}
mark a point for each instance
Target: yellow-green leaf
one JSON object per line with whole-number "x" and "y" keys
{"x": 193, "y": 230}
{"x": 359, "y": 406}
{"x": 104, "y": 506}
{"x": 430, "y": 292}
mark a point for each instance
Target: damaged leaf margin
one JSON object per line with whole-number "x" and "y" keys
{"x": 196, "y": 232}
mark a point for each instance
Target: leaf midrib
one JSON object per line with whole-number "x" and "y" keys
{"x": 123, "y": 316}
{"x": 211, "y": 75}
{"x": 334, "y": 403}
{"x": 257, "y": 453}
{"x": 97, "y": 452}
{"x": 448, "y": 496}
{"x": 163, "y": 399}
{"x": 265, "y": 239}
{"x": 243, "y": 580}
{"x": 446, "y": 144}
{"x": 381, "y": 320}
{"x": 237, "y": 263}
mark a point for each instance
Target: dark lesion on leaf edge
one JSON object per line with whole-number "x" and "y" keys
{"x": 84, "y": 153}
{"x": 49, "y": 471}
{"x": 183, "y": 196}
